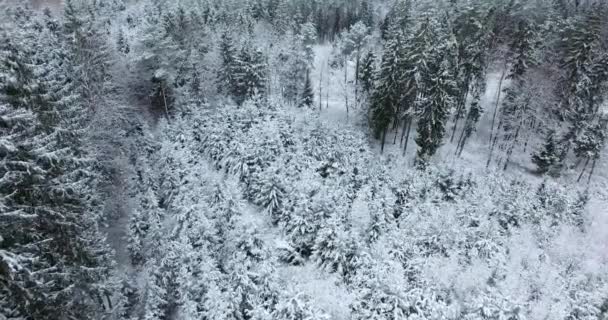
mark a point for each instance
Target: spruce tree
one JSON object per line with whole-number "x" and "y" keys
{"x": 434, "y": 106}
{"x": 226, "y": 73}
{"x": 122, "y": 44}
{"x": 250, "y": 75}
{"x": 387, "y": 94}
{"x": 517, "y": 114}
{"x": 58, "y": 256}
{"x": 472, "y": 33}
{"x": 548, "y": 160}
{"x": 473, "y": 116}
{"x": 368, "y": 72}
{"x": 307, "y": 94}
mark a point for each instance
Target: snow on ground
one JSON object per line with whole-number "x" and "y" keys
{"x": 476, "y": 153}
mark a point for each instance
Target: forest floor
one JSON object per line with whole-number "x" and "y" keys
{"x": 475, "y": 155}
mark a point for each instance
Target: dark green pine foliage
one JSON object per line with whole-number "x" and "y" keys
{"x": 517, "y": 115}
{"x": 472, "y": 33}
{"x": 307, "y": 94}
{"x": 122, "y": 44}
{"x": 250, "y": 75}
{"x": 416, "y": 57}
{"x": 473, "y": 116}
{"x": 580, "y": 45}
{"x": 367, "y": 14}
{"x": 398, "y": 17}
{"x": 54, "y": 263}
{"x": 589, "y": 144}
{"x": 583, "y": 81}
{"x": 368, "y": 72}
{"x": 386, "y": 95}
{"x": 435, "y": 101}
{"x": 228, "y": 54}
{"x": 548, "y": 160}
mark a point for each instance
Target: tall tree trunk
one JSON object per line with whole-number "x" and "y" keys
{"x": 592, "y": 171}
{"x": 403, "y": 131}
{"x": 162, "y": 90}
{"x": 459, "y": 108}
{"x": 346, "y": 87}
{"x": 460, "y": 145}
{"x": 396, "y": 134}
{"x": 511, "y": 147}
{"x": 357, "y": 78}
{"x": 497, "y": 104}
{"x": 584, "y": 169}
{"x": 321, "y": 88}
{"x": 492, "y": 147}
{"x": 407, "y": 137}
{"x": 383, "y": 139}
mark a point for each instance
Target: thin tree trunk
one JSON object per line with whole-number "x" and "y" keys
{"x": 396, "y": 134}
{"x": 357, "y": 80}
{"x": 502, "y": 78}
{"x": 460, "y": 144}
{"x": 162, "y": 90}
{"x": 321, "y": 88}
{"x": 492, "y": 147}
{"x": 461, "y": 106}
{"x": 407, "y": 137}
{"x": 527, "y": 142}
{"x": 346, "y": 87}
{"x": 383, "y": 139}
{"x": 584, "y": 169}
{"x": 403, "y": 132}
{"x": 592, "y": 171}
{"x": 511, "y": 147}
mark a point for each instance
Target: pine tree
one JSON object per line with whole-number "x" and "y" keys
{"x": 471, "y": 33}
{"x": 433, "y": 110}
{"x": 517, "y": 114}
{"x": 250, "y": 75}
{"x": 387, "y": 94}
{"x": 471, "y": 120}
{"x": 307, "y": 94}
{"x": 308, "y": 34}
{"x": 590, "y": 143}
{"x": 334, "y": 249}
{"x": 122, "y": 43}
{"x": 416, "y": 58}
{"x": 226, "y": 73}
{"x": 57, "y": 253}
{"x": 548, "y": 160}
{"x": 367, "y": 14}
{"x": 368, "y": 72}
{"x": 293, "y": 62}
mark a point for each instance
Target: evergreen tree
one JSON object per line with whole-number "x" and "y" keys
{"x": 293, "y": 64}
{"x": 53, "y": 254}
{"x": 473, "y": 116}
{"x": 548, "y": 160}
{"x": 368, "y": 72}
{"x": 517, "y": 113}
{"x": 578, "y": 87}
{"x": 433, "y": 108}
{"x": 121, "y": 43}
{"x": 307, "y": 94}
{"x": 308, "y": 34}
{"x": 472, "y": 33}
{"x": 387, "y": 94}
{"x": 250, "y": 75}
{"x": 226, "y": 73}
{"x": 590, "y": 143}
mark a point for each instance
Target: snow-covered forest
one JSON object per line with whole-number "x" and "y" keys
{"x": 304, "y": 160}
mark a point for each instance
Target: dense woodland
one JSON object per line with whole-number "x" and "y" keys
{"x": 304, "y": 160}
